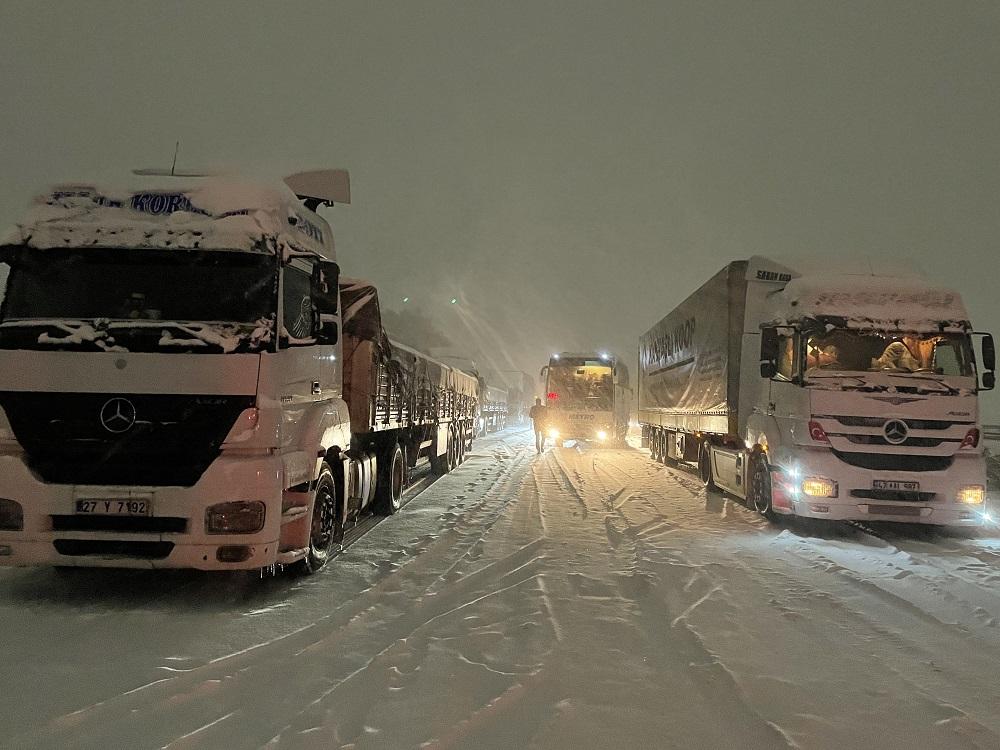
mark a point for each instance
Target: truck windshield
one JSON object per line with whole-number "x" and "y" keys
{"x": 66, "y": 289}
{"x": 848, "y": 350}
{"x": 581, "y": 386}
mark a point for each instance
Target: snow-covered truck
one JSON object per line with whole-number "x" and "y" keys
{"x": 588, "y": 398}
{"x": 185, "y": 383}
{"x": 492, "y": 407}
{"x": 827, "y": 395}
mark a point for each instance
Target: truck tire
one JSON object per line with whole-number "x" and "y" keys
{"x": 705, "y": 467}
{"x": 759, "y": 496}
{"x": 327, "y": 528}
{"x": 655, "y": 447}
{"x": 391, "y": 480}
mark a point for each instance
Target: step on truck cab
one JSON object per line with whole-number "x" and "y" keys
{"x": 171, "y": 380}
{"x": 827, "y": 395}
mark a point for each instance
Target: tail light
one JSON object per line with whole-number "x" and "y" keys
{"x": 971, "y": 439}
{"x": 817, "y": 433}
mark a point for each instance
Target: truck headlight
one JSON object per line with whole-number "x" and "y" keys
{"x": 819, "y": 487}
{"x": 553, "y": 433}
{"x": 239, "y": 517}
{"x": 602, "y": 435}
{"x": 972, "y": 494}
{"x": 11, "y": 515}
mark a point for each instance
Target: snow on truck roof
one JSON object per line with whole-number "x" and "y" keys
{"x": 887, "y": 298}
{"x": 183, "y": 212}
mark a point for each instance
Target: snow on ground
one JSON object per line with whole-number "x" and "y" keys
{"x": 584, "y": 598}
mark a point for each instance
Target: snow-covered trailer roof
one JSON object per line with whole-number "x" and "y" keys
{"x": 182, "y": 212}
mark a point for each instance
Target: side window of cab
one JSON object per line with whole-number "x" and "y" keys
{"x": 787, "y": 360}
{"x": 297, "y": 304}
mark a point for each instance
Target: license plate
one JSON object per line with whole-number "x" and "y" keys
{"x": 128, "y": 507}
{"x": 879, "y": 484}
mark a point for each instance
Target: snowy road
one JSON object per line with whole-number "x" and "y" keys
{"x": 583, "y": 598}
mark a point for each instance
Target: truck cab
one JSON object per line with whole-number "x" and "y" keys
{"x": 170, "y": 376}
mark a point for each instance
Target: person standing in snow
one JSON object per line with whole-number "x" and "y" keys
{"x": 538, "y": 417}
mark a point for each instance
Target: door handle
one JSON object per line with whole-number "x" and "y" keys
{"x": 315, "y": 388}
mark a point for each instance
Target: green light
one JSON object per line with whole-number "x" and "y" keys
{"x": 454, "y": 300}
{"x": 406, "y": 299}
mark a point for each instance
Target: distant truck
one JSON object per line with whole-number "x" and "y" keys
{"x": 520, "y": 395}
{"x": 830, "y": 395}
{"x": 187, "y": 382}
{"x": 492, "y": 407}
{"x": 588, "y": 398}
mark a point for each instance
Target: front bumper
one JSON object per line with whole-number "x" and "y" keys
{"x": 229, "y": 478}
{"x": 853, "y": 483}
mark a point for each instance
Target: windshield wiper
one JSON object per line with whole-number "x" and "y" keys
{"x": 950, "y": 390}
{"x": 78, "y": 333}
{"x": 865, "y": 385}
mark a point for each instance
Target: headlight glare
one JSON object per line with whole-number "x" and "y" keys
{"x": 819, "y": 487}
{"x": 972, "y": 494}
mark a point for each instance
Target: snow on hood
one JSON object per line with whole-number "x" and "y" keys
{"x": 869, "y": 301}
{"x": 175, "y": 212}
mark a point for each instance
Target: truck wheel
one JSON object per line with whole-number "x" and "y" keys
{"x": 327, "y": 527}
{"x": 391, "y": 478}
{"x": 760, "y": 490}
{"x": 654, "y": 446}
{"x": 705, "y": 467}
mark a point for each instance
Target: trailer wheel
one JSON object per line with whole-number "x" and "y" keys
{"x": 452, "y": 449}
{"x": 654, "y": 447}
{"x": 391, "y": 479}
{"x": 760, "y": 489}
{"x": 326, "y": 528}
{"x": 705, "y": 466}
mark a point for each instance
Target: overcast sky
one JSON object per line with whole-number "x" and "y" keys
{"x": 569, "y": 171}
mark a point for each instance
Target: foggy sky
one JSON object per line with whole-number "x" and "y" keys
{"x": 569, "y": 170}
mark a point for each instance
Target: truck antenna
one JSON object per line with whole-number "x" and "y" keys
{"x": 177, "y": 147}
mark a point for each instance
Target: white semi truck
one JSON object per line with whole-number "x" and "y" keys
{"x": 826, "y": 395}
{"x": 186, "y": 382}
{"x": 587, "y": 398}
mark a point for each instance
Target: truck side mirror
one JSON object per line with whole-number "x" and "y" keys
{"x": 989, "y": 381}
{"x": 328, "y": 331}
{"x": 989, "y": 353}
{"x": 768, "y": 352}
{"x": 541, "y": 373}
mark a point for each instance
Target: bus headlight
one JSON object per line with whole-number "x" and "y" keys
{"x": 553, "y": 433}
{"x": 602, "y": 435}
{"x": 972, "y": 494}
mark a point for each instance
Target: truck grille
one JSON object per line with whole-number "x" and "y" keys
{"x": 103, "y": 548}
{"x": 913, "y": 442}
{"x": 135, "y": 524}
{"x": 913, "y": 424}
{"x": 896, "y": 496}
{"x": 79, "y": 438}
{"x": 894, "y": 461}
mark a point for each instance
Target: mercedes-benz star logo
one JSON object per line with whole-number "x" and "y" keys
{"x": 895, "y": 431}
{"x": 118, "y": 415}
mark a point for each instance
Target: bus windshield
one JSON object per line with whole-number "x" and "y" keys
{"x": 583, "y": 385}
